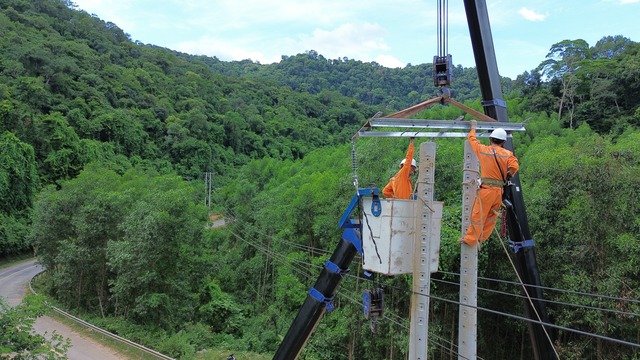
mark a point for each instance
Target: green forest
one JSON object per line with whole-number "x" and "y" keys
{"x": 105, "y": 144}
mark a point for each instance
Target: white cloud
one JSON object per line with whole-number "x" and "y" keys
{"x": 531, "y": 15}
{"x": 356, "y": 41}
{"x": 364, "y": 42}
{"x": 350, "y": 38}
{"x": 225, "y": 50}
{"x": 389, "y": 61}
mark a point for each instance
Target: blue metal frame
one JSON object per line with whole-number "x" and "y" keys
{"x": 349, "y": 225}
{"x": 517, "y": 245}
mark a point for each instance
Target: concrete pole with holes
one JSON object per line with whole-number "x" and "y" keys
{"x": 426, "y": 251}
{"x": 468, "y": 315}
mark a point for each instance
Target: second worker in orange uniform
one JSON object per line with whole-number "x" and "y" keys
{"x": 400, "y": 186}
{"x": 497, "y": 165}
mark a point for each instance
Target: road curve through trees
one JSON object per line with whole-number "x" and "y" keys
{"x": 14, "y": 282}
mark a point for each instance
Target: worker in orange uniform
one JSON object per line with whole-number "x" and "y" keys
{"x": 399, "y": 185}
{"x": 497, "y": 165}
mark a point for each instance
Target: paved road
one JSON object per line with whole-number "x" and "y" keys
{"x": 14, "y": 286}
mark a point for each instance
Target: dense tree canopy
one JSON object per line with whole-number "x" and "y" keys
{"x": 105, "y": 143}
{"x": 18, "y": 186}
{"x": 595, "y": 85}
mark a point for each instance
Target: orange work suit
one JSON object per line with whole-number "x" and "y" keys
{"x": 489, "y": 197}
{"x": 399, "y": 185}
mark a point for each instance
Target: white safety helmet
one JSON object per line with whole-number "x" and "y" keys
{"x": 499, "y": 134}
{"x": 413, "y": 162}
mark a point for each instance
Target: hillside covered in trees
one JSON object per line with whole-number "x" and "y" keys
{"x": 105, "y": 144}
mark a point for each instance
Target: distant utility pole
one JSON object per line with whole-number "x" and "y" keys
{"x": 207, "y": 182}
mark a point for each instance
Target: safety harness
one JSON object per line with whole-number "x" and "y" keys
{"x": 495, "y": 182}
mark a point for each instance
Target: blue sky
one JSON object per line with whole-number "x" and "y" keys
{"x": 392, "y": 33}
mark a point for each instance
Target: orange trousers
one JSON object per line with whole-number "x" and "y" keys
{"x": 484, "y": 214}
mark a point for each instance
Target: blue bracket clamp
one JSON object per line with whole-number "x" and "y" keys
{"x": 516, "y": 246}
{"x": 350, "y": 235}
{"x": 321, "y": 298}
{"x": 376, "y": 206}
{"x": 334, "y": 268}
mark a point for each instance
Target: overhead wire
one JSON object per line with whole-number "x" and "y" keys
{"x": 301, "y": 270}
{"x": 587, "y": 307}
{"x": 496, "y": 312}
{"x": 304, "y": 272}
{"x": 447, "y": 349}
{"x": 310, "y": 249}
{"x": 308, "y": 276}
{"x": 636, "y": 301}
{"x": 602, "y": 337}
{"x": 405, "y": 326}
{"x": 402, "y": 323}
{"x": 503, "y": 313}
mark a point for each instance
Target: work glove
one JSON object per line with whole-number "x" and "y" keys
{"x": 473, "y": 124}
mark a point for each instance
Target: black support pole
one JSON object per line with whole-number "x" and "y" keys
{"x": 495, "y": 107}
{"x": 313, "y": 309}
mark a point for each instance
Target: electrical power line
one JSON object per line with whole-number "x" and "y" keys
{"x": 496, "y": 312}
{"x": 280, "y": 240}
{"x": 587, "y": 307}
{"x": 608, "y": 297}
{"x": 305, "y": 274}
{"x": 401, "y": 322}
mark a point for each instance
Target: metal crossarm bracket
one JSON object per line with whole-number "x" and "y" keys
{"x": 434, "y": 128}
{"x": 495, "y": 102}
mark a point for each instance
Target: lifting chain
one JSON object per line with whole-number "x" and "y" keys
{"x": 354, "y": 164}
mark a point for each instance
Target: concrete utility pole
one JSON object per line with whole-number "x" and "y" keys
{"x": 468, "y": 315}
{"x": 428, "y": 215}
{"x": 207, "y": 196}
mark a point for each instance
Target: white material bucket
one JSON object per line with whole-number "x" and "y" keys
{"x": 388, "y": 239}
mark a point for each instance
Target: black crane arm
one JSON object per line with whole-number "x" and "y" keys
{"x": 517, "y": 224}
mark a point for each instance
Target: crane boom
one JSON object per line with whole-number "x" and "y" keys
{"x": 319, "y": 299}
{"x": 495, "y": 107}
